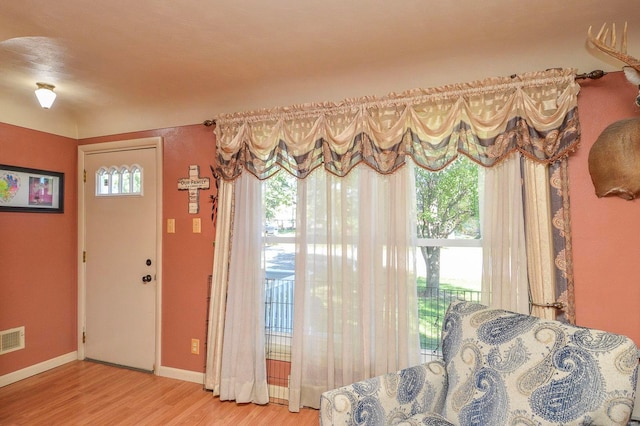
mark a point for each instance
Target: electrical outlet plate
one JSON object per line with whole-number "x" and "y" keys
{"x": 195, "y": 346}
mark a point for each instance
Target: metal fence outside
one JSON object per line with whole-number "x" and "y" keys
{"x": 432, "y": 305}
{"x": 279, "y": 305}
{"x": 278, "y": 331}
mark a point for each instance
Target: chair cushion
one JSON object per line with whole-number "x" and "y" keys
{"x": 505, "y": 368}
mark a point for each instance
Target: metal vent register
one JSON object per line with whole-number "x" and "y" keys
{"x": 11, "y": 340}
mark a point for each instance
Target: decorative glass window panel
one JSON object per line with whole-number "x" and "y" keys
{"x": 137, "y": 180}
{"x": 126, "y": 180}
{"x": 115, "y": 182}
{"x": 102, "y": 182}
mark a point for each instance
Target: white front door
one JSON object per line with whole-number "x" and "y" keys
{"x": 121, "y": 263}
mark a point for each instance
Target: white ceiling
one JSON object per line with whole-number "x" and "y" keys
{"x": 123, "y": 65}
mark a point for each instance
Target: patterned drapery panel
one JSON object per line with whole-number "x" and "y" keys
{"x": 533, "y": 113}
{"x": 561, "y": 233}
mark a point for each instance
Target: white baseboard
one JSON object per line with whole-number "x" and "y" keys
{"x": 172, "y": 373}
{"x": 185, "y": 375}
{"x": 32, "y": 370}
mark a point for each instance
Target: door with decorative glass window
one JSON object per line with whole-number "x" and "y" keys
{"x": 120, "y": 266}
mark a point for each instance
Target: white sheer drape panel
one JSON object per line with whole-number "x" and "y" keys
{"x": 244, "y": 369}
{"x": 538, "y": 227}
{"x": 504, "y": 257}
{"x": 355, "y": 310}
{"x": 220, "y": 274}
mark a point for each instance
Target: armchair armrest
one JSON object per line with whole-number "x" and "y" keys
{"x": 387, "y": 399}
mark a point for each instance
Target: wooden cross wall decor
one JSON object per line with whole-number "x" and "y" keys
{"x": 194, "y": 183}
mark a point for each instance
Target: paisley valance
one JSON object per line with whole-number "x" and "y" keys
{"x": 533, "y": 113}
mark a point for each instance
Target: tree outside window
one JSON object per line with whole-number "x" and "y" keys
{"x": 447, "y": 205}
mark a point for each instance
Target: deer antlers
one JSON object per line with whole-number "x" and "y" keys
{"x": 610, "y": 49}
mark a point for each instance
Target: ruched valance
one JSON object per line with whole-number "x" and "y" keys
{"x": 533, "y": 113}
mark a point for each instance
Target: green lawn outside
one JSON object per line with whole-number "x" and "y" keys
{"x": 432, "y": 305}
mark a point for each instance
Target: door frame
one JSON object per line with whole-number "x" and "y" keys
{"x": 130, "y": 144}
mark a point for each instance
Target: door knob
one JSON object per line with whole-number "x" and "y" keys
{"x": 146, "y": 279}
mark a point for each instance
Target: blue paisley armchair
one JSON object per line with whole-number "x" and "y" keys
{"x": 500, "y": 368}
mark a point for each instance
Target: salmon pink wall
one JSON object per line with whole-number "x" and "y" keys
{"x": 38, "y": 276}
{"x": 187, "y": 256}
{"x": 606, "y": 231}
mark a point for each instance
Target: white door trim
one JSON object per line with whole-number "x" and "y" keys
{"x": 152, "y": 142}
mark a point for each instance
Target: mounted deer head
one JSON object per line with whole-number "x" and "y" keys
{"x": 632, "y": 70}
{"x": 614, "y": 159}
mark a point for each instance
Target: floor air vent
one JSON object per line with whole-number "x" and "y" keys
{"x": 11, "y": 340}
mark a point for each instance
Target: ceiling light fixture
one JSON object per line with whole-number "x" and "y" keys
{"x": 45, "y": 94}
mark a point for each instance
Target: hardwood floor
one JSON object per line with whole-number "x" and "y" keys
{"x": 87, "y": 393}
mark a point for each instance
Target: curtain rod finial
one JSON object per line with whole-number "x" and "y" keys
{"x": 593, "y": 75}
{"x": 209, "y": 123}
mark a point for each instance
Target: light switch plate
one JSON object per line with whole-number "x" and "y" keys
{"x": 196, "y": 225}
{"x": 171, "y": 226}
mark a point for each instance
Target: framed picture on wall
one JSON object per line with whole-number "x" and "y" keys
{"x": 31, "y": 190}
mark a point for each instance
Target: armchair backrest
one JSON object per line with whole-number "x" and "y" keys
{"x": 505, "y": 368}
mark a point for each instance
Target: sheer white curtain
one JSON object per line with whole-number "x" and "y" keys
{"x": 243, "y": 370}
{"x": 219, "y": 281}
{"x": 517, "y": 238}
{"x": 504, "y": 252}
{"x": 355, "y": 313}
{"x": 538, "y": 227}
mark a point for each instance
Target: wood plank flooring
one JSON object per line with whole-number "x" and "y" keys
{"x": 87, "y": 393}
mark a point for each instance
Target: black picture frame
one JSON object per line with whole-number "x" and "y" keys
{"x": 31, "y": 190}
